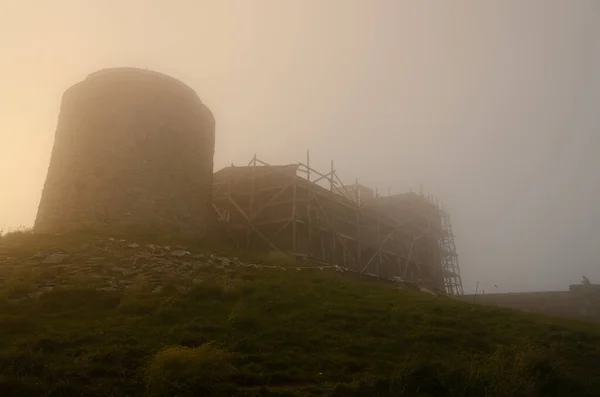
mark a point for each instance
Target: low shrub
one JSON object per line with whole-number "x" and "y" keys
{"x": 183, "y": 371}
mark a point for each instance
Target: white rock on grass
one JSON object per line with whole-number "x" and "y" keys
{"x": 180, "y": 253}
{"x": 55, "y": 259}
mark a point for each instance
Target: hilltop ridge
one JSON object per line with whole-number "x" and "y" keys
{"x": 100, "y": 316}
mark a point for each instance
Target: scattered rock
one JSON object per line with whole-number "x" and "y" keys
{"x": 98, "y": 276}
{"x": 182, "y": 289}
{"x": 110, "y": 266}
{"x": 55, "y": 259}
{"x": 428, "y": 291}
{"x": 129, "y": 272}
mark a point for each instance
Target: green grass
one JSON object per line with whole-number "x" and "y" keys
{"x": 278, "y": 333}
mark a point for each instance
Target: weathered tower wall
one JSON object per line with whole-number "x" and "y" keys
{"x": 133, "y": 150}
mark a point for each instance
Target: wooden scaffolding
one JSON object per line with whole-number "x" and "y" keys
{"x": 312, "y": 215}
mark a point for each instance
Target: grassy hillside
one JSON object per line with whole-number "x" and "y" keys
{"x": 99, "y": 317}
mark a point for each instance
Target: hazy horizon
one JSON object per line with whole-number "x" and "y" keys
{"x": 492, "y": 106}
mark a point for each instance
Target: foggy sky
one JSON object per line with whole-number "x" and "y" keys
{"x": 494, "y": 106}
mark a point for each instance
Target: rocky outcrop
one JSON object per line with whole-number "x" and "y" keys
{"x": 119, "y": 265}
{"x": 133, "y": 150}
{"x": 111, "y": 265}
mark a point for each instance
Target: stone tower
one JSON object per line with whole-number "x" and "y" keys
{"x": 133, "y": 151}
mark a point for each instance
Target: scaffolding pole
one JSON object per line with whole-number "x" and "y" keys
{"x": 400, "y": 247}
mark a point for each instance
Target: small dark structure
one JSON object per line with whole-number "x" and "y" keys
{"x": 133, "y": 150}
{"x": 313, "y": 215}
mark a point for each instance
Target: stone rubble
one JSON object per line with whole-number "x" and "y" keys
{"x": 54, "y": 259}
{"x": 112, "y": 265}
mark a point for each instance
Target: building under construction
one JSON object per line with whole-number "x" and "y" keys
{"x": 312, "y": 215}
